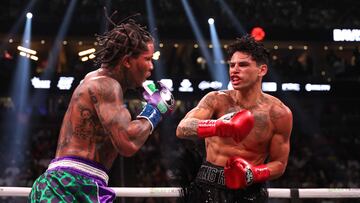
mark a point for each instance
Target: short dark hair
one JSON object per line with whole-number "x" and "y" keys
{"x": 126, "y": 38}
{"x": 248, "y": 45}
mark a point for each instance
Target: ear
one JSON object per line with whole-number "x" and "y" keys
{"x": 125, "y": 61}
{"x": 263, "y": 70}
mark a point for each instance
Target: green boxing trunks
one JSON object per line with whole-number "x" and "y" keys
{"x": 72, "y": 179}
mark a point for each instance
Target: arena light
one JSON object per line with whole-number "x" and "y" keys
{"x": 35, "y": 58}
{"x": 91, "y": 56}
{"x": 258, "y": 33}
{"x": 199, "y": 36}
{"x": 40, "y": 84}
{"x": 346, "y": 35}
{"x": 186, "y": 86}
{"x": 65, "y": 83}
{"x": 211, "y": 21}
{"x": 317, "y": 87}
{"x": 87, "y": 52}
{"x": 26, "y": 50}
{"x": 216, "y": 85}
{"x": 29, "y": 15}
{"x": 7, "y": 55}
{"x": 21, "y": 53}
{"x": 269, "y": 86}
{"x": 53, "y": 54}
{"x": 15, "y": 28}
{"x": 203, "y": 85}
{"x": 156, "y": 55}
{"x": 218, "y": 69}
{"x": 200, "y": 60}
{"x": 290, "y": 87}
{"x": 19, "y": 94}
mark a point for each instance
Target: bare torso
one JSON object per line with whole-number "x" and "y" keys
{"x": 255, "y": 147}
{"x": 82, "y": 133}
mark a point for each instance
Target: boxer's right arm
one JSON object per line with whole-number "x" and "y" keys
{"x": 126, "y": 135}
{"x": 197, "y": 122}
{"x": 188, "y": 126}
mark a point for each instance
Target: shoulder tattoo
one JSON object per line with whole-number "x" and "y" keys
{"x": 278, "y": 111}
{"x": 208, "y": 102}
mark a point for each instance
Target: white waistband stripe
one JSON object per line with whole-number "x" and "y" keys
{"x": 81, "y": 167}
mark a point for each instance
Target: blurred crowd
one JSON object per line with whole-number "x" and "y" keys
{"x": 324, "y": 149}
{"x": 324, "y": 142}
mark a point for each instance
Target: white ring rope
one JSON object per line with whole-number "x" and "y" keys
{"x": 175, "y": 192}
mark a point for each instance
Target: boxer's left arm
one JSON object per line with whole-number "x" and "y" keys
{"x": 239, "y": 173}
{"x": 282, "y": 119}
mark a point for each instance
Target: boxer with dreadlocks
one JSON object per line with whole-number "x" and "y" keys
{"x": 97, "y": 127}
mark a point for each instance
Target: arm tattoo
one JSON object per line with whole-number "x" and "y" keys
{"x": 189, "y": 127}
{"x": 94, "y": 100}
{"x": 100, "y": 130}
{"x": 93, "y": 97}
{"x": 207, "y": 103}
{"x": 87, "y": 125}
{"x": 277, "y": 112}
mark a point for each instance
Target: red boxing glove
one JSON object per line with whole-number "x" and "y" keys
{"x": 236, "y": 125}
{"x": 239, "y": 173}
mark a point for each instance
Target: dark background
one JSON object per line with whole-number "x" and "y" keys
{"x": 324, "y": 143}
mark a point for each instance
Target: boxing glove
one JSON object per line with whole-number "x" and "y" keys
{"x": 236, "y": 125}
{"x": 239, "y": 173}
{"x": 160, "y": 102}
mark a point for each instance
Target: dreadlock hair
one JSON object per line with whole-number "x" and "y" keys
{"x": 127, "y": 38}
{"x": 248, "y": 45}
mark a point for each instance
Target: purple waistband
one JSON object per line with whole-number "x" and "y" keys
{"x": 81, "y": 166}
{"x": 82, "y": 160}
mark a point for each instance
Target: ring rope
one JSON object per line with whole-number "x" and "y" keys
{"x": 175, "y": 192}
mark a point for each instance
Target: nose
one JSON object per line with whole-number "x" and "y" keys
{"x": 236, "y": 68}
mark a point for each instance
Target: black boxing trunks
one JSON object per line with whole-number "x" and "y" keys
{"x": 209, "y": 186}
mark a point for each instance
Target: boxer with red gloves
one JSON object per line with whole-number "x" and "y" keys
{"x": 239, "y": 173}
{"x": 243, "y": 149}
{"x": 236, "y": 125}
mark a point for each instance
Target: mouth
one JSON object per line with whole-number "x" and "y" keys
{"x": 235, "y": 80}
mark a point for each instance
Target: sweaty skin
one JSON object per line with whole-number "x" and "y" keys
{"x": 97, "y": 126}
{"x": 270, "y": 137}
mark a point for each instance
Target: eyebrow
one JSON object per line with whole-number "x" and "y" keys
{"x": 239, "y": 62}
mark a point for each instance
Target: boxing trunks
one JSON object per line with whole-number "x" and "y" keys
{"x": 209, "y": 186}
{"x": 72, "y": 179}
